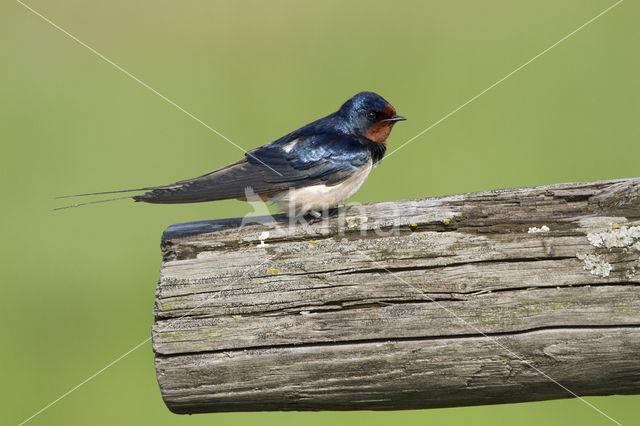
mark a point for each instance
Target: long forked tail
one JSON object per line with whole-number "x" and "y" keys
{"x": 225, "y": 183}
{"x": 149, "y": 188}
{"x": 91, "y": 202}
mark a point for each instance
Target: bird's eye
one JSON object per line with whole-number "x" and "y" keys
{"x": 371, "y": 115}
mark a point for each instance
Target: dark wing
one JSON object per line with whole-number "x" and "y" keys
{"x": 288, "y": 162}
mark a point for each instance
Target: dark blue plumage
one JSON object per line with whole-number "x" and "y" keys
{"x": 324, "y": 162}
{"x": 336, "y": 140}
{"x": 314, "y": 156}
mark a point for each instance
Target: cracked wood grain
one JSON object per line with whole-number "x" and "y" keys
{"x": 423, "y": 303}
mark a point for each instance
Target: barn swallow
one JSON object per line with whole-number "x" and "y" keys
{"x": 311, "y": 169}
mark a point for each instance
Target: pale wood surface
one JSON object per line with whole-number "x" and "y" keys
{"x": 454, "y": 301}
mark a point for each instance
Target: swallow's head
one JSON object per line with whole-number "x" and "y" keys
{"x": 370, "y": 115}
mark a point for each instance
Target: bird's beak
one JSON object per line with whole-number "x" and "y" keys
{"x": 395, "y": 118}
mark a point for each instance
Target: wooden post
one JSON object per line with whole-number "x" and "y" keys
{"x": 501, "y": 296}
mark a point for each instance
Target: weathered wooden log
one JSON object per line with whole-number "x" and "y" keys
{"x": 492, "y": 297}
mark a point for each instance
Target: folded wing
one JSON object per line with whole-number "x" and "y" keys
{"x": 291, "y": 162}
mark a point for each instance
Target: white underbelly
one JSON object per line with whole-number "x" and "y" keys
{"x": 321, "y": 197}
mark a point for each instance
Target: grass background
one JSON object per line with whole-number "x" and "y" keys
{"x": 78, "y": 285}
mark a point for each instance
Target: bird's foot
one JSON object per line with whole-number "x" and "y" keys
{"x": 335, "y": 211}
{"x": 314, "y": 216}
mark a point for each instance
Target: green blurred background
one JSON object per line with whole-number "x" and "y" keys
{"x": 78, "y": 285}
